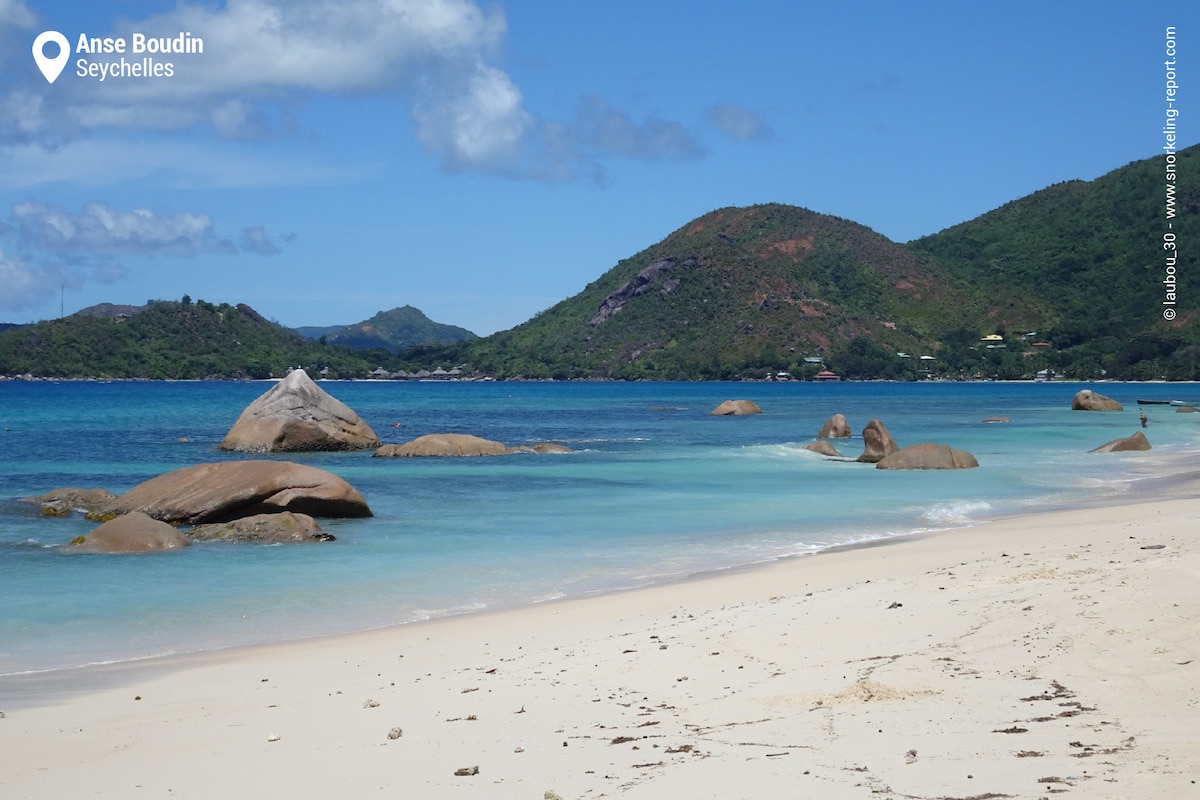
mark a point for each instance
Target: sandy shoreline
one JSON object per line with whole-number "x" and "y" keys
{"x": 1022, "y": 658}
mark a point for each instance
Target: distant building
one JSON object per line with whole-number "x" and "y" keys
{"x": 826, "y": 375}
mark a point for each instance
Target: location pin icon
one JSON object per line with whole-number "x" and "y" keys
{"x": 51, "y": 67}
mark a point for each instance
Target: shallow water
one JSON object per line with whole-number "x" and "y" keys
{"x": 657, "y": 490}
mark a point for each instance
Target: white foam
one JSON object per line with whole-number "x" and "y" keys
{"x": 959, "y": 512}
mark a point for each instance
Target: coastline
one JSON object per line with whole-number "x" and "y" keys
{"x": 1011, "y": 658}
{"x": 777, "y": 508}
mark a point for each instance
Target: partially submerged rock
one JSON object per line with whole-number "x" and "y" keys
{"x": 878, "y": 442}
{"x": 130, "y": 533}
{"x": 735, "y": 408}
{"x": 1087, "y": 400}
{"x": 836, "y": 427}
{"x": 60, "y": 502}
{"x": 1137, "y": 441}
{"x": 461, "y": 445}
{"x": 219, "y": 492}
{"x": 823, "y": 448}
{"x": 550, "y": 447}
{"x": 284, "y": 527}
{"x": 443, "y": 444}
{"x": 927, "y": 455}
{"x": 541, "y": 447}
{"x": 296, "y": 415}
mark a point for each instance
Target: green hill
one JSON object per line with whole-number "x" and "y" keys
{"x": 736, "y": 293}
{"x": 742, "y": 292}
{"x": 167, "y": 339}
{"x": 1083, "y": 263}
{"x": 393, "y": 331}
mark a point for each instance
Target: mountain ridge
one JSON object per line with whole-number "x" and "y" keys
{"x": 1065, "y": 281}
{"x": 394, "y": 330}
{"x": 1074, "y": 263}
{"x": 168, "y": 339}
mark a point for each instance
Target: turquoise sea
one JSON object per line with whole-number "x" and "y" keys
{"x": 656, "y": 491}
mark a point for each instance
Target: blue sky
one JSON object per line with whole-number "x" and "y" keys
{"x": 322, "y": 160}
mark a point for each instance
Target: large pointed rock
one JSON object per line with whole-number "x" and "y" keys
{"x": 1087, "y": 400}
{"x": 233, "y": 489}
{"x": 836, "y": 427}
{"x": 296, "y": 415}
{"x": 878, "y": 442}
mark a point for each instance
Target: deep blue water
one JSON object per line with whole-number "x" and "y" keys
{"x": 656, "y": 490}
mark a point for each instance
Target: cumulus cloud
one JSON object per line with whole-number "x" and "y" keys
{"x": 580, "y": 148}
{"x": 472, "y": 120}
{"x": 60, "y": 248}
{"x": 259, "y": 54}
{"x": 101, "y": 230}
{"x": 608, "y": 130}
{"x": 262, "y": 58}
{"x": 255, "y": 240}
{"x": 26, "y": 284}
{"x": 23, "y": 285}
{"x": 739, "y": 123}
{"x": 16, "y": 14}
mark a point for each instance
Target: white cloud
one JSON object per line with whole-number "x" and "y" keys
{"x": 327, "y": 45}
{"x": 739, "y": 123}
{"x": 262, "y": 58}
{"x": 259, "y": 51}
{"x": 25, "y": 113}
{"x": 100, "y": 230}
{"x": 60, "y": 248}
{"x": 24, "y": 286}
{"x": 607, "y": 130}
{"x": 15, "y": 14}
{"x": 255, "y": 240}
{"x": 477, "y": 121}
{"x": 579, "y": 148}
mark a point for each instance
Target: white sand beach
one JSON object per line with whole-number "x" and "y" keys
{"x": 1025, "y": 658}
